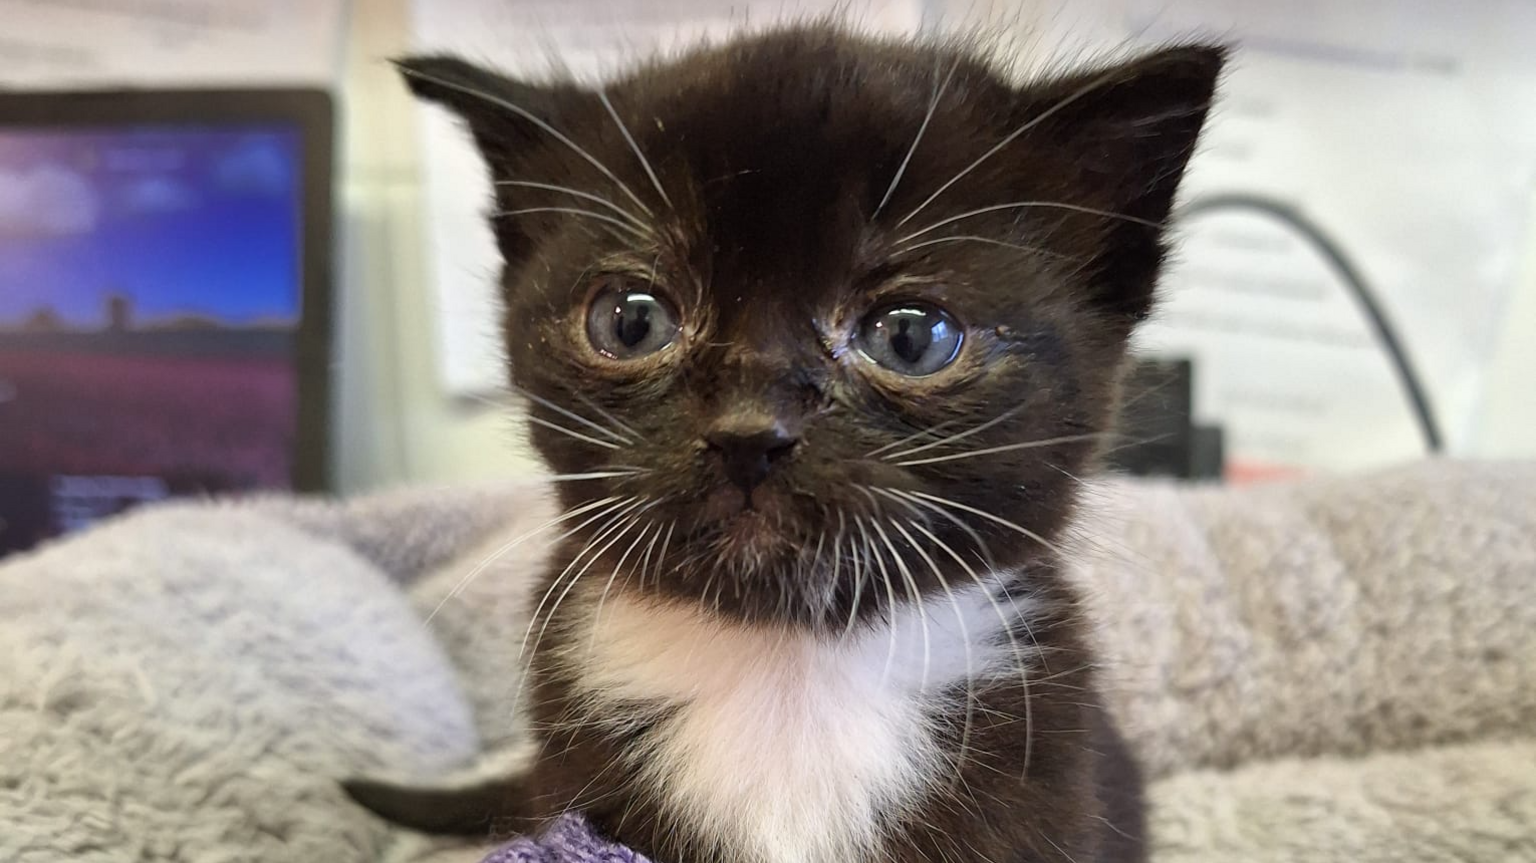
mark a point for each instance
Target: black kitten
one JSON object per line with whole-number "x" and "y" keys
{"x": 831, "y": 321}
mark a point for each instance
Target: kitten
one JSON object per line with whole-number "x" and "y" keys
{"x": 827, "y": 323}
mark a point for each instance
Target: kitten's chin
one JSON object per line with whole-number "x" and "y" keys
{"x": 748, "y": 536}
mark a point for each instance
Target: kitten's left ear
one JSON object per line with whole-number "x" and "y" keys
{"x": 507, "y": 117}
{"x": 510, "y": 121}
{"x": 1131, "y": 129}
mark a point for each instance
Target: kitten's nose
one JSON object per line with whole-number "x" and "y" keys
{"x": 749, "y": 447}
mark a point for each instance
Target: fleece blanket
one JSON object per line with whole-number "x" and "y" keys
{"x": 1327, "y": 670}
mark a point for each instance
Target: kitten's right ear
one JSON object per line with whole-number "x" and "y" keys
{"x": 507, "y": 118}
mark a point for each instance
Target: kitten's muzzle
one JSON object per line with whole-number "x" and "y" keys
{"x": 748, "y": 448}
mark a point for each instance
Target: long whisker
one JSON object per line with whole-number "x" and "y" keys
{"x": 990, "y": 517}
{"x": 480, "y": 567}
{"x": 645, "y": 562}
{"x": 965, "y": 640}
{"x": 597, "y": 615}
{"x": 570, "y": 414}
{"x": 971, "y": 238}
{"x": 1003, "y": 448}
{"x": 858, "y": 575}
{"x": 535, "y": 120}
{"x": 623, "y": 529}
{"x": 982, "y": 545}
{"x": 1013, "y": 642}
{"x": 970, "y": 532}
{"x": 917, "y": 599}
{"x": 574, "y": 211}
{"x": 1029, "y": 205}
{"x": 890, "y": 594}
{"x": 571, "y": 432}
{"x": 615, "y": 515}
{"x": 933, "y": 105}
{"x": 644, "y": 162}
{"x": 1005, "y": 415}
{"x": 601, "y": 474}
{"x": 623, "y": 426}
{"x": 911, "y": 437}
{"x": 1031, "y": 123}
{"x": 664, "y": 544}
{"x": 586, "y": 196}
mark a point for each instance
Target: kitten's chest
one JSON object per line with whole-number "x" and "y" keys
{"x": 783, "y": 747}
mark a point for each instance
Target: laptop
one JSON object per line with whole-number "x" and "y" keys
{"x": 165, "y": 296}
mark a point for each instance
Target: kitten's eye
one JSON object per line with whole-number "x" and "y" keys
{"x": 627, "y": 324}
{"x": 913, "y": 339}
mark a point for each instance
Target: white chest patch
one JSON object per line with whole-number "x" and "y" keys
{"x": 783, "y": 745}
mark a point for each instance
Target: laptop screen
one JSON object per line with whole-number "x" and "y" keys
{"x": 150, "y": 292}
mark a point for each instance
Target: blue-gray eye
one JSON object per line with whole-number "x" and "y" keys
{"x": 626, "y": 325}
{"x": 913, "y": 339}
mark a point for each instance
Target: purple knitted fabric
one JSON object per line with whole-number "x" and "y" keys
{"x": 568, "y": 839}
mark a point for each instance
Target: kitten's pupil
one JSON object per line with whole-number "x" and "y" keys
{"x": 628, "y": 324}
{"x": 632, "y": 322}
{"x": 914, "y": 339}
{"x": 908, "y": 345}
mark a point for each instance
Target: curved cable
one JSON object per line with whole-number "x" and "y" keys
{"x": 1413, "y": 388}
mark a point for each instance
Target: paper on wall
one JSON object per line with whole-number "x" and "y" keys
{"x": 109, "y": 43}
{"x": 1407, "y": 131}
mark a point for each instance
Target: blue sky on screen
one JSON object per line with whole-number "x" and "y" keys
{"x": 192, "y": 220}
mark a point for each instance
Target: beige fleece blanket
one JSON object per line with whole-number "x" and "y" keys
{"x": 1329, "y": 670}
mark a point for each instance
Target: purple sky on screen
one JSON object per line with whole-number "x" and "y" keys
{"x": 184, "y": 220}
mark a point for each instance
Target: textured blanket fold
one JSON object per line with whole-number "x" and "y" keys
{"x": 1330, "y": 670}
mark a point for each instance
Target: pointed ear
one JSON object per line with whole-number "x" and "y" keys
{"x": 1131, "y": 129}
{"x": 511, "y": 122}
{"x": 1134, "y": 125}
{"x": 507, "y": 118}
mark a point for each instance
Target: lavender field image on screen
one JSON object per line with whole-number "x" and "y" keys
{"x": 149, "y": 298}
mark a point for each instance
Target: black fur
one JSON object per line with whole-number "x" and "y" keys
{"x": 775, "y": 153}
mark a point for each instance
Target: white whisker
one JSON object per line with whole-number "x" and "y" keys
{"x": 975, "y": 538}
{"x": 909, "y": 438}
{"x": 890, "y": 594}
{"x": 493, "y": 99}
{"x": 623, "y": 528}
{"x": 480, "y": 567}
{"x": 664, "y": 544}
{"x": 623, "y": 426}
{"x": 971, "y": 238}
{"x": 959, "y": 435}
{"x": 933, "y": 105}
{"x": 990, "y": 517}
{"x": 1003, "y": 448}
{"x": 1013, "y": 642}
{"x": 586, "y": 196}
{"x": 614, "y": 514}
{"x": 572, "y": 433}
{"x": 915, "y": 594}
{"x": 1029, "y": 205}
{"x": 570, "y": 414}
{"x": 628, "y": 138}
{"x": 645, "y": 562}
{"x": 602, "y": 474}
{"x": 965, "y": 640}
{"x": 597, "y": 615}
{"x": 574, "y": 211}
{"x": 1031, "y": 123}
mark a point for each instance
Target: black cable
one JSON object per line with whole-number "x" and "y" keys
{"x": 1346, "y": 270}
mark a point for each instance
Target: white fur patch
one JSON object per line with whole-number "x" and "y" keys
{"x": 785, "y": 746}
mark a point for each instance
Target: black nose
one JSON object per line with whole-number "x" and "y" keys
{"x": 748, "y": 448}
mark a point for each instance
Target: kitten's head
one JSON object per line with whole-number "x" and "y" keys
{"x": 826, "y": 318}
